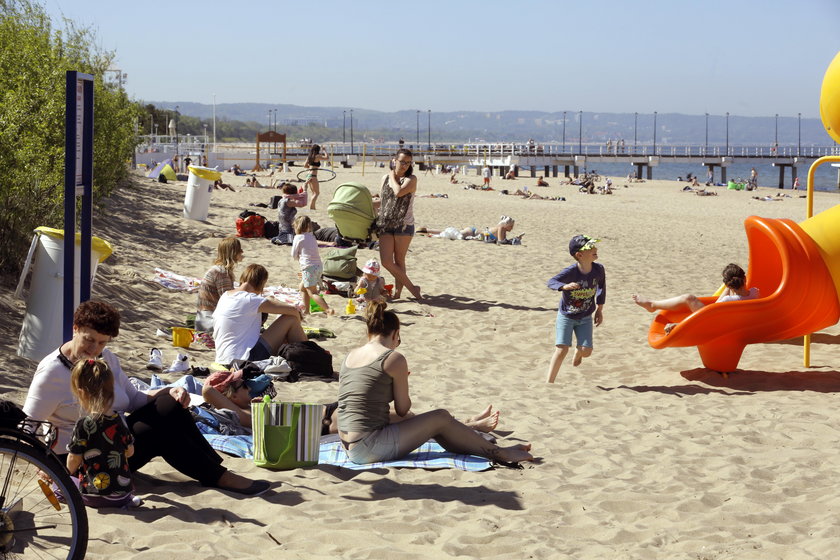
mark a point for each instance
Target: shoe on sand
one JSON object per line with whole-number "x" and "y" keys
{"x": 179, "y": 364}
{"x": 256, "y": 488}
{"x": 155, "y": 360}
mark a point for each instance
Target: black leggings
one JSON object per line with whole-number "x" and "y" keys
{"x": 164, "y": 428}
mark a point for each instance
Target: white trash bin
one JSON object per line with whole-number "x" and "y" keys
{"x": 199, "y": 188}
{"x": 43, "y": 323}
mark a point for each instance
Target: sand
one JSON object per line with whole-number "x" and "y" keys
{"x": 641, "y": 453}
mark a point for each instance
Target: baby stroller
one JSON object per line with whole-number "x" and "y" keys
{"x": 352, "y": 211}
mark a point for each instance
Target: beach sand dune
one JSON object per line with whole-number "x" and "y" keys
{"x": 640, "y": 453}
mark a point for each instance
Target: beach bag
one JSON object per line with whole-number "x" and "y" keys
{"x": 352, "y": 211}
{"x": 340, "y": 263}
{"x": 307, "y": 359}
{"x": 286, "y": 435}
{"x": 249, "y": 224}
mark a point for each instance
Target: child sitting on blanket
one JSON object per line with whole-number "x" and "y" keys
{"x": 101, "y": 442}
{"x": 371, "y": 282}
{"x": 305, "y": 249}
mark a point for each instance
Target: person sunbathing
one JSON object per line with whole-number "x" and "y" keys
{"x": 541, "y": 182}
{"x": 734, "y": 279}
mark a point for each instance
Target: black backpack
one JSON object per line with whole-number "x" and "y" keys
{"x": 308, "y": 359}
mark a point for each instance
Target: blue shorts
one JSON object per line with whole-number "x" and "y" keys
{"x": 260, "y": 351}
{"x": 381, "y": 445}
{"x": 311, "y": 275}
{"x": 403, "y": 230}
{"x": 565, "y": 326}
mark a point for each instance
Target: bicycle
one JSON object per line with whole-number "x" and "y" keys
{"x": 41, "y": 510}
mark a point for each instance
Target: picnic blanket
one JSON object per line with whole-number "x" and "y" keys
{"x": 430, "y": 455}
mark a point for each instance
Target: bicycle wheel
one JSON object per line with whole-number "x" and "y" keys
{"x": 33, "y": 522}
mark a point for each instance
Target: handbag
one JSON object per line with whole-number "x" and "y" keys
{"x": 286, "y": 435}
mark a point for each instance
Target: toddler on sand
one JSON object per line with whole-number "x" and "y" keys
{"x": 371, "y": 282}
{"x": 584, "y": 289}
{"x": 305, "y": 249}
{"x": 101, "y": 443}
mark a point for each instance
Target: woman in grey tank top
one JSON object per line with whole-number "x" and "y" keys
{"x": 375, "y": 374}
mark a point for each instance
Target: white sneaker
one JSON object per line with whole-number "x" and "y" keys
{"x": 179, "y": 364}
{"x": 155, "y": 360}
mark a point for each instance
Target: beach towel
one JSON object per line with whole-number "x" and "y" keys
{"x": 180, "y": 283}
{"x": 430, "y": 455}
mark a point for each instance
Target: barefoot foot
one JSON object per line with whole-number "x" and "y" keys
{"x": 513, "y": 454}
{"x": 645, "y": 303}
{"x": 485, "y": 422}
{"x": 578, "y": 358}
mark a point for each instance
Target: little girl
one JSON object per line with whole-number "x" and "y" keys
{"x": 305, "y": 249}
{"x": 372, "y": 282}
{"x": 101, "y": 443}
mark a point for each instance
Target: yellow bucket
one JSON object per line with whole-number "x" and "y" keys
{"x": 182, "y": 336}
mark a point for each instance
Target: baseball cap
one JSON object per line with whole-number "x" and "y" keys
{"x": 581, "y": 243}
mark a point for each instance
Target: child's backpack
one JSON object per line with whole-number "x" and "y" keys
{"x": 249, "y": 224}
{"x": 352, "y": 210}
{"x": 340, "y": 264}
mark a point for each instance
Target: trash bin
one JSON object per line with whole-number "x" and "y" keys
{"x": 43, "y": 323}
{"x": 199, "y": 187}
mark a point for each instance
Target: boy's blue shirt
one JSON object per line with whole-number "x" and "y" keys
{"x": 580, "y": 303}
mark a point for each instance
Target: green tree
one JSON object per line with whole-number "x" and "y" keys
{"x": 34, "y": 59}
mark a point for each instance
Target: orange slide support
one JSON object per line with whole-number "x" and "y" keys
{"x": 797, "y": 270}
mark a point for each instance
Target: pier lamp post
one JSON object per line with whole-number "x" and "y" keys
{"x": 344, "y": 128}
{"x": 635, "y": 123}
{"x": 654, "y": 133}
{"x": 418, "y": 129}
{"x": 205, "y": 133}
{"x": 351, "y": 131}
{"x": 727, "y": 133}
{"x": 776, "y": 136}
{"x": 269, "y": 119}
{"x": 430, "y": 129}
{"x": 564, "y": 131}
{"x": 799, "y": 128}
{"x": 706, "y": 150}
{"x": 156, "y": 139}
{"x": 214, "y": 122}
{"x": 275, "y": 120}
{"x": 580, "y": 132}
{"x": 176, "y": 132}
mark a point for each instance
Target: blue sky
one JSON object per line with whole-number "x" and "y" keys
{"x": 748, "y": 57}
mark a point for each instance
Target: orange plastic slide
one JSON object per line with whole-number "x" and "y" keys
{"x": 796, "y": 276}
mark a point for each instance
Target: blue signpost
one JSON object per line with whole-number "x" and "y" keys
{"x": 78, "y": 182}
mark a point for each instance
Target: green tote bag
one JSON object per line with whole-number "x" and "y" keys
{"x": 286, "y": 435}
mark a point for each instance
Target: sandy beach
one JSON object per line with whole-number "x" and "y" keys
{"x": 642, "y": 453}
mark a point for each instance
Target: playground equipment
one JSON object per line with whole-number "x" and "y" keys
{"x": 795, "y": 266}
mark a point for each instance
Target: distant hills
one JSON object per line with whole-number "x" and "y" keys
{"x": 519, "y": 126}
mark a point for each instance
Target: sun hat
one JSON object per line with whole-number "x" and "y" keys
{"x": 221, "y": 379}
{"x": 581, "y": 243}
{"x": 371, "y": 267}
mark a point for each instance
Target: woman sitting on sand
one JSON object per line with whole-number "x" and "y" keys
{"x": 228, "y": 390}
{"x": 158, "y": 420}
{"x": 238, "y": 318}
{"x": 541, "y": 182}
{"x": 217, "y": 281}
{"x": 734, "y": 278}
{"x": 374, "y": 375}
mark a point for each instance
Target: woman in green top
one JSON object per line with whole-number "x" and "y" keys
{"x": 375, "y": 374}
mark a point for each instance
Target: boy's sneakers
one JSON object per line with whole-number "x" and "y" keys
{"x": 179, "y": 364}
{"x": 155, "y": 360}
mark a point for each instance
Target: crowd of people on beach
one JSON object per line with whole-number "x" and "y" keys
{"x": 83, "y": 391}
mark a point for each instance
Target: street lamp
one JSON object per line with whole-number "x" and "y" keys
{"x": 580, "y": 132}
{"x": 654, "y": 133}
{"x": 430, "y": 130}
{"x": 351, "y": 131}
{"x": 727, "y": 133}
{"x": 344, "y": 129}
{"x": 707, "y": 134}
{"x": 214, "y": 122}
{"x": 799, "y": 127}
{"x": 564, "y": 131}
{"x": 635, "y": 127}
{"x": 177, "y": 153}
{"x": 776, "y": 136}
{"x": 269, "y": 119}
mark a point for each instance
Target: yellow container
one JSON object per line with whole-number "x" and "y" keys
{"x": 182, "y": 337}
